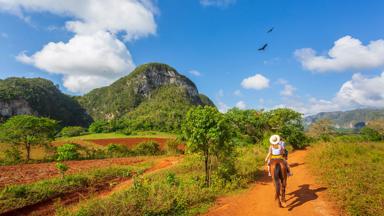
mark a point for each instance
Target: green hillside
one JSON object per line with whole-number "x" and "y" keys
{"x": 41, "y": 97}
{"x": 151, "y": 92}
{"x": 347, "y": 119}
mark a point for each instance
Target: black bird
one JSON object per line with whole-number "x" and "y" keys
{"x": 270, "y": 30}
{"x": 263, "y": 47}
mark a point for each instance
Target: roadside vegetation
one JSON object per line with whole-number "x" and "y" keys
{"x": 353, "y": 173}
{"x": 17, "y": 196}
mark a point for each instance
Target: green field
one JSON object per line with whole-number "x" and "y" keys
{"x": 354, "y": 174}
{"x": 139, "y": 134}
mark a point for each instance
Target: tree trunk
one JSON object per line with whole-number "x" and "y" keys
{"x": 28, "y": 147}
{"x": 206, "y": 168}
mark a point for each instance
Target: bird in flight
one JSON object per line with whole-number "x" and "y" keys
{"x": 270, "y": 30}
{"x": 263, "y": 47}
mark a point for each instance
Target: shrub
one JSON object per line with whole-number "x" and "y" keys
{"x": 370, "y": 134}
{"x": 147, "y": 148}
{"x": 62, "y": 168}
{"x": 100, "y": 127}
{"x": 67, "y": 152}
{"x": 72, "y": 131}
{"x": 172, "y": 147}
{"x": 12, "y": 156}
{"x": 117, "y": 150}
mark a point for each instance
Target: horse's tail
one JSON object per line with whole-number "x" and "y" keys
{"x": 276, "y": 178}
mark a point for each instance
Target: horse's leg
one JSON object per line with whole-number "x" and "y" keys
{"x": 276, "y": 179}
{"x": 283, "y": 184}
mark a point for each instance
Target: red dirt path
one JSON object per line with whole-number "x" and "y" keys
{"x": 304, "y": 196}
{"x": 27, "y": 173}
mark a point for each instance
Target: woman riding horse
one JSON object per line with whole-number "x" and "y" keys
{"x": 277, "y": 164}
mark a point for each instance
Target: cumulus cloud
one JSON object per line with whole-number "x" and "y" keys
{"x": 241, "y": 105}
{"x": 135, "y": 18}
{"x": 257, "y": 82}
{"x": 84, "y": 59}
{"x": 195, "y": 72}
{"x": 359, "y": 92}
{"x": 288, "y": 89}
{"x": 95, "y": 56}
{"x": 347, "y": 53}
{"x": 217, "y": 3}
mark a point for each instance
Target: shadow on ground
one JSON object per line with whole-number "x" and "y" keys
{"x": 302, "y": 195}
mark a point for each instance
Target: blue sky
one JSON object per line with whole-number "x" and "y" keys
{"x": 213, "y": 42}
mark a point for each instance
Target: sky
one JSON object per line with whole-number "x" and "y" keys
{"x": 322, "y": 55}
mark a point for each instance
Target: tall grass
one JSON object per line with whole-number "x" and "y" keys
{"x": 177, "y": 191}
{"x": 354, "y": 174}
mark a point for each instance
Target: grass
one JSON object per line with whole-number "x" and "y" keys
{"x": 17, "y": 196}
{"x": 354, "y": 174}
{"x": 37, "y": 152}
{"x": 179, "y": 190}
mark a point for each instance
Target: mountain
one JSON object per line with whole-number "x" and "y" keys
{"x": 151, "y": 94}
{"x": 348, "y": 119}
{"x": 37, "y": 96}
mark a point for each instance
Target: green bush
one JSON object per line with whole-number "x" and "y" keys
{"x": 68, "y": 152}
{"x": 12, "y": 156}
{"x": 62, "y": 168}
{"x": 72, "y": 131}
{"x": 117, "y": 150}
{"x": 100, "y": 127}
{"x": 370, "y": 134}
{"x": 147, "y": 148}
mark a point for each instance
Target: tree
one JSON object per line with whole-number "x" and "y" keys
{"x": 28, "y": 131}
{"x": 322, "y": 128}
{"x": 287, "y": 123}
{"x": 207, "y": 132}
{"x": 370, "y": 134}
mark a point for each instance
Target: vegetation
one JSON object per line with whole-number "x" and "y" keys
{"x": 207, "y": 132}
{"x": 128, "y": 93}
{"x": 62, "y": 168}
{"x": 17, "y": 196}
{"x": 72, "y": 131}
{"x": 45, "y": 99}
{"x": 354, "y": 174}
{"x": 67, "y": 152}
{"x": 180, "y": 190}
{"x": 147, "y": 148}
{"x": 28, "y": 131}
{"x": 321, "y": 129}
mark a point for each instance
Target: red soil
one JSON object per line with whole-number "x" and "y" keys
{"x": 27, "y": 173}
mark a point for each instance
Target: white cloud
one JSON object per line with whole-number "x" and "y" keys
{"x": 359, "y": 92}
{"x": 133, "y": 17}
{"x": 288, "y": 90}
{"x": 237, "y": 93}
{"x": 195, "y": 72}
{"x": 241, "y": 105}
{"x": 223, "y": 108}
{"x": 347, "y": 53}
{"x": 257, "y": 82}
{"x": 85, "y": 61}
{"x": 94, "y": 57}
{"x": 217, "y": 3}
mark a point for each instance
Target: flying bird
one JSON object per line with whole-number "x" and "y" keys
{"x": 270, "y": 30}
{"x": 263, "y": 47}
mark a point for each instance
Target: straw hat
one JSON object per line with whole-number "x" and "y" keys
{"x": 274, "y": 139}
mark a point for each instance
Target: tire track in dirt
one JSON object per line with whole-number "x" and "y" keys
{"x": 304, "y": 196}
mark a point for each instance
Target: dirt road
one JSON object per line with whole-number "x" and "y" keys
{"x": 304, "y": 196}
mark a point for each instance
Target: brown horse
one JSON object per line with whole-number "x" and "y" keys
{"x": 279, "y": 177}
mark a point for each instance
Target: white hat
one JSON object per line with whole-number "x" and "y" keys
{"x": 275, "y": 139}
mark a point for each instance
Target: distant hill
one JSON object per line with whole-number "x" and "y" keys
{"x": 153, "y": 93}
{"x": 348, "y": 119}
{"x": 40, "y": 97}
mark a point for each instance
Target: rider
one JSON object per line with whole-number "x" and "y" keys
{"x": 276, "y": 151}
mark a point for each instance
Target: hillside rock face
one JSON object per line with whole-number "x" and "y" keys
{"x": 39, "y": 97}
{"x": 127, "y": 93}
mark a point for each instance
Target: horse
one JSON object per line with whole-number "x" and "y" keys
{"x": 279, "y": 177}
